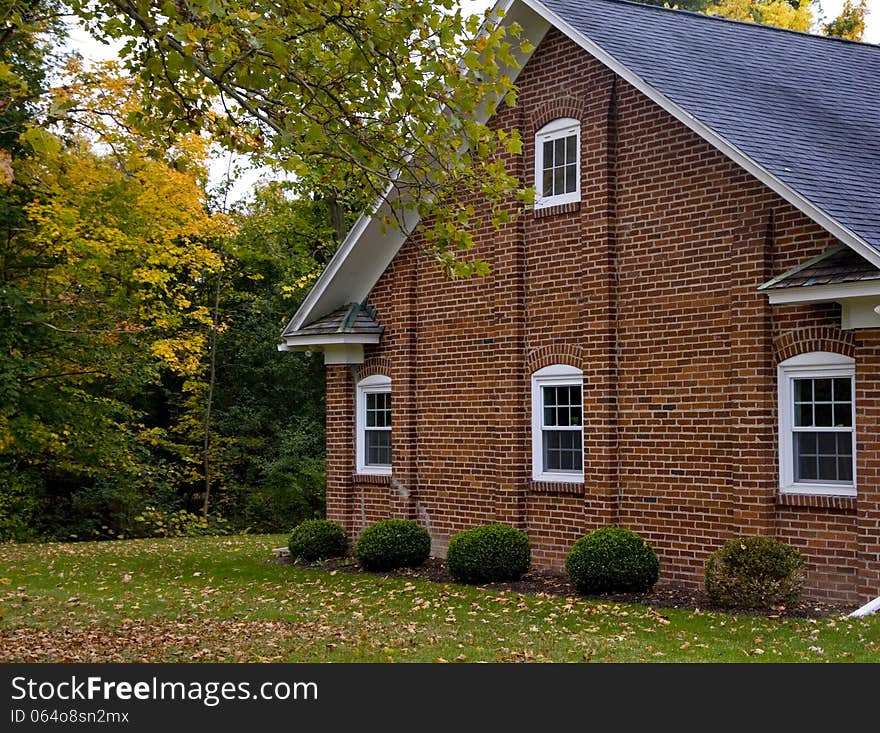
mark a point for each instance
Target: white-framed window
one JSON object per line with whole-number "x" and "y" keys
{"x": 817, "y": 425}
{"x": 373, "y": 430}
{"x": 558, "y": 424}
{"x": 557, "y": 163}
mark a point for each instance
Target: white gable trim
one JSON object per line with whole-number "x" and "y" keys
{"x": 369, "y": 247}
{"x": 831, "y": 225}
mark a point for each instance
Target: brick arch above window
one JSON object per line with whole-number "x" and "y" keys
{"x": 545, "y": 356}
{"x": 557, "y": 109}
{"x": 814, "y": 338}
{"x": 373, "y": 366}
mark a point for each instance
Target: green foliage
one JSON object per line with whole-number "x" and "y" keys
{"x": 487, "y": 554}
{"x": 155, "y": 522}
{"x": 19, "y": 507}
{"x": 754, "y": 572}
{"x": 317, "y": 539}
{"x": 350, "y": 98}
{"x": 393, "y": 543}
{"x": 851, "y": 21}
{"x": 612, "y": 560}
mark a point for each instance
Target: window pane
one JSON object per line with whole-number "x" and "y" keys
{"x": 843, "y": 390}
{"x": 823, "y": 415}
{"x": 844, "y": 468}
{"x": 806, "y": 469}
{"x": 570, "y": 178}
{"x": 550, "y": 395}
{"x": 378, "y": 447}
{"x": 547, "y": 189}
{"x": 548, "y": 154}
{"x": 805, "y": 442}
{"x": 827, "y": 443}
{"x": 563, "y": 450}
{"x": 576, "y": 416}
{"x": 822, "y": 390}
{"x": 803, "y": 390}
{"x": 844, "y": 444}
{"x": 559, "y": 152}
{"x": 803, "y": 415}
{"x": 843, "y": 415}
{"x": 570, "y": 149}
{"x": 378, "y": 413}
{"x": 827, "y": 468}
{"x": 558, "y": 180}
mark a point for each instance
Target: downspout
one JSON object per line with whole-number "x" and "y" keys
{"x": 614, "y": 246}
{"x": 869, "y": 608}
{"x": 353, "y": 373}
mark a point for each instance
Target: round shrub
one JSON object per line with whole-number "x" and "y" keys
{"x": 612, "y": 560}
{"x": 317, "y": 539}
{"x": 754, "y": 572}
{"x": 393, "y": 543}
{"x": 488, "y": 554}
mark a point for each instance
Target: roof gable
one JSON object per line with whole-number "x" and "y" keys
{"x": 814, "y": 124}
{"x": 815, "y": 142}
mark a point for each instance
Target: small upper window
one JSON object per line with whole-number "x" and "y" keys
{"x": 817, "y": 424}
{"x": 557, "y": 163}
{"x": 373, "y": 442}
{"x": 558, "y": 424}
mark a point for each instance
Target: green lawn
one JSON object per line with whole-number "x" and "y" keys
{"x": 219, "y": 599}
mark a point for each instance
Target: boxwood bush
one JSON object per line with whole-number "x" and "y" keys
{"x": 487, "y": 554}
{"x": 754, "y": 572}
{"x": 317, "y": 539}
{"x": 612, "y": 560}
{"x": 393, "y": 543}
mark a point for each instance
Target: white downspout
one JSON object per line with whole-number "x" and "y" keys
{"x": 868, "y": 608}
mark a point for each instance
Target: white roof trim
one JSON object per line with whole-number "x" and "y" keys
{"x": 322, "y": 339}
{"x": 823, "y": 293}
{"x": 831, "y": 225}
{"x": 356, "y": 280}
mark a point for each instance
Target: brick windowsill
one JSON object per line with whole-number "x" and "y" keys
{"x": 371, "y": 478}
{"x": 554, "y": 487}
{"x": 818, "y": 501}
{"x": 556, "y": 210}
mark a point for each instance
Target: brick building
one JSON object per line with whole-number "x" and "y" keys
{"x": 680, "y": 337}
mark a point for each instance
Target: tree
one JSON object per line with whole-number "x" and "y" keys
{"x": 796, "y": 15}
{"x": 268, "y": 435}
{"x": 851, "y": 21}
{"x": 101, "y": 256}
{"x": 354, "y": 98}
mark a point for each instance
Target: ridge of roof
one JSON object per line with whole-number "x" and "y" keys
{"x": 745, "y": 23}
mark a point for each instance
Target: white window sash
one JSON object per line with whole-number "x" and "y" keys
{"x": 812, "y": 366}
{"x": 555, "y": 130}
{"x": 378, "y": 384}
{"x": 557, "y": 375}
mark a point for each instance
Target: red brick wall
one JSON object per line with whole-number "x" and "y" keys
{"x": 649, "y": 286}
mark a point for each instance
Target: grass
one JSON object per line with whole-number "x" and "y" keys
{"x": 219, "y": 599}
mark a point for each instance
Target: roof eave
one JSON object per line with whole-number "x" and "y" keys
{"x": 295, "y": 342}
{"x": 805, "y": 294}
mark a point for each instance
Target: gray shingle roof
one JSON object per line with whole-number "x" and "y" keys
{"x": 805, "y": 108}
{"x": 352, "y": 318}
{"x": 835, "y": 265}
